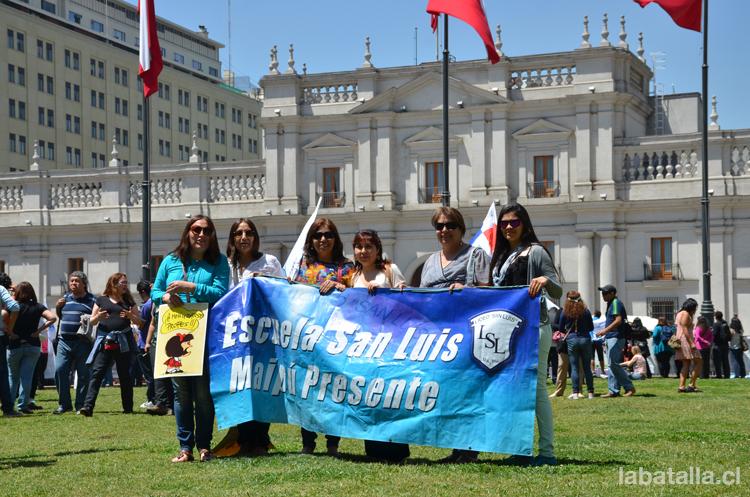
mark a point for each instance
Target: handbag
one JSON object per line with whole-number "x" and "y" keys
{"x": 674, "y": 342}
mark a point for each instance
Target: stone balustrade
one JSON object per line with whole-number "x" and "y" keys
{"x": 86, "y": 196}
{"x": 541, "y": 77}
{"x": 330, "y": 93}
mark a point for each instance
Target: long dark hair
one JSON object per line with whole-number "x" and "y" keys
{"x": 338, "y": 246}
{"x": 373, "y": 237}
{"x": 690, "y": 305}
{"x": 182, "y": 251}
{"x": 232, "y": 253}
{"x": 502, "y": 247}
{"x": 25, "y": 293}
{"x": 111, "y": 290}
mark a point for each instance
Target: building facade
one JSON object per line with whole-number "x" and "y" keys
{"x": 572, "y": 135}
{"x": 71, "y": 68}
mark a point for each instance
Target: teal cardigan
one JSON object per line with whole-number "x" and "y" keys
{"x": 211, "y": 280}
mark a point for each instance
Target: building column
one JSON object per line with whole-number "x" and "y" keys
{"x": 476, "y": 148}
{"x": 582, "y": 175}
{"x": 586, "y": 266}
{"x": 363, "y": 194}
{"x": 498, "y": 170}
{"x": 607, "y": 259}
{"x": 383, "y": 163}
{"x": 273, "y": 165}
{"x": 291, "y": 197}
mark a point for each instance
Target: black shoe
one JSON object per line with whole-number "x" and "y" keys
{"x": 157, "y": 410}
{"x": 61, "y": 410}
{"x": 11, "y": 414}
{"x": 308, "y": 449}
{"x": 85, "y": 411}
{"x": 26, "y": 410}
{"x": 35, "y": 407}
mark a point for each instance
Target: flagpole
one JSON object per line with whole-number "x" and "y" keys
{"x": 146, "y": 195}
{"x": 446, "y": 189}
{"x": 707, "y": 307}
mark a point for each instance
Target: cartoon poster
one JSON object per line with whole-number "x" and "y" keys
{"x": 180, "y": 340}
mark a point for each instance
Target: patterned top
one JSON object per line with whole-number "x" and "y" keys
{"x": 317, "y": 272}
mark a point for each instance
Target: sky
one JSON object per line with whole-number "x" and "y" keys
{"x": 329, "y": 36}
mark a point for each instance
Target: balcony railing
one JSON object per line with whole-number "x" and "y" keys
{"x": 430, "y": 195}
{"x": 332, "y": 199}
{"x": 657, "y": 271}
{"x": 544, "y": 189}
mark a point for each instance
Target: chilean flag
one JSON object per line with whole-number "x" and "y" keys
{"x": 686, "y": 13}
{"x": 472, "y": 13}
{"x": 485, "y": 237}
{"x": 149, "y": 52}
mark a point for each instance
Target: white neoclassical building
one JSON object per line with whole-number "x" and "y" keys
{"x": 611, "y": 176}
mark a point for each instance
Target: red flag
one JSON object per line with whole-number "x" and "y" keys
{"x": 149, "y": 52}
{"x": 686, "y": 13}
{"x": 469, "y": 11}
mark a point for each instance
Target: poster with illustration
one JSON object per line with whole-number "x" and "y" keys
{"x": 180, "y": 340}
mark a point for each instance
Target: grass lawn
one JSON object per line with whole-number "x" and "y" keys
{"x": 113, "y": 454}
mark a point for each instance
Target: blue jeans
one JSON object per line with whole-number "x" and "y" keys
{"x": 579, "y": 350}
{"x": 21, "y": 365}
{"x": 617, "y": 377}
{"x": 194, "y": 411}
{"x": 72, "y": 354}
{"x": 5, "y": 398}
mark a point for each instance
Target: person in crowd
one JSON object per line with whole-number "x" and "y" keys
{"x": 455, "y": 265}
{"x": 247, "y": 261}
{"x": 37, "y": 379}
{"x": 10, "y": 310}
{"x": 597, "y": 344}
{"x": 324, "y": 265}
{"x": 553, "y": 314}
{"x": 372, "y": 271}
{"x": 24, "y": 344}
{"x": 577, "y": 321}
{"x": 687, "y": 354}
{"x": 195, "y": 271}
{"x": 72, "y": 348}
{"x": 519, "y": 259}
{"x": 560, "y": 347}
{"x": 639, "y": 336}
{"x": 163, "y": 403}
{"x": 663, "y": 352}
{"x": 703, "y": 338}
{"x": 720, "y": 348}
{"x": 613, "y": 334}
{"x": 115, "y": 312}
{"x": 637, "y": 363}
{"x": 143, "y": 358}
{"x": 737, "y": 346}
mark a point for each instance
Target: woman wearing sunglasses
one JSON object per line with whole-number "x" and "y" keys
{"x": 195, "y": 271}
{"x": 324, "y": 265}
{"x": 519, "y": 259}
{"x": 247, "y": 261}
{"x": 455, "y": 265}
{"x": 115, "y": 312}
{"x": 373, "y": 271}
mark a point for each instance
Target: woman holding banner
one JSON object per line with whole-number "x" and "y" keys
{"x": 519, "y": 259}
{"x": 456, "y": 265}
{"x": 323, "y": 265}
{"x": 372, "y": 271}
{"x": 195, "y": 271}
{"x": 115, "y": 312}
{"x": 247, "y": 261}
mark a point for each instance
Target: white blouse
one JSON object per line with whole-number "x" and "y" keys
{"x": 266, "y": 264}
{"x": 381, "y": 280}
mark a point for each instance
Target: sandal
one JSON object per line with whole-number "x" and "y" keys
{"x": 682, "y": 390}
{"x": 183, "y": 456}
{"x": 205, "y": 455}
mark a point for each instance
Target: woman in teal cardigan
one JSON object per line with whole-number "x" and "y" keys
{"x": 195, "y": 271}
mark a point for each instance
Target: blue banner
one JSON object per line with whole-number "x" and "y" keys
{"x": 454, "y": 370}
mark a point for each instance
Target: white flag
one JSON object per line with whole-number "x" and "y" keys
{"x": 291, "y": 266}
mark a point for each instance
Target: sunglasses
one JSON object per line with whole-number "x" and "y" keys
{"x": 328, "y": 235}
{"x": 450, "y": 226}
{"x": 199, "y": 230}
{"x": 247, "y": 233}
{"x": 513, "y": 223}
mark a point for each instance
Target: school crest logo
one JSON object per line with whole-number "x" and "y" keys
{"x": 493, "y": 333}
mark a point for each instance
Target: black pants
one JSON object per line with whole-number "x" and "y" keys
{"x": 552, "y": 363}
{"x": 598, "y": 347}
{"x": 103, "y": 363}
{"x": 386, "y": 451}
{"x": 143, "y": 359}
{"x": 163, "y": 389}
{"x": 721, "y": 360}
{"x": 706, "y": 356}
{"x": 38, "y": 380}
{"x": 308, "y": 439}
{"x": 253, "y": 434}
{"x": 662, "y": 358}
